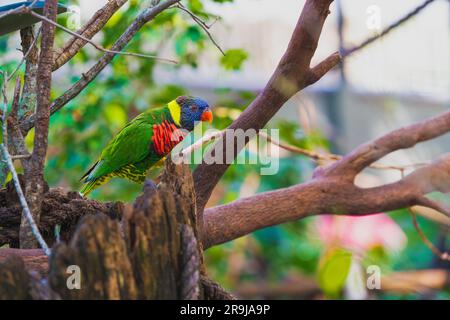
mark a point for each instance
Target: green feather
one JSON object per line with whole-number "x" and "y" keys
{"x": 129, "y": 154}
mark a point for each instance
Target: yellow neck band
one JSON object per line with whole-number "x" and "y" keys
{"x": 175, "y": 111}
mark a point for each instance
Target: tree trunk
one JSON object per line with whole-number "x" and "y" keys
{"x": 145, "y": 250}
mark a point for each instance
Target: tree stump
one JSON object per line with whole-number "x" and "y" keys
{"x": 148, "y": 251}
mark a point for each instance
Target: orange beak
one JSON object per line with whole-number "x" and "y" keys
{"x": 207, "y": 116}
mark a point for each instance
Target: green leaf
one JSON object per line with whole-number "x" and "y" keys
{"x": 191, "y": 35}
{"x": 333, "y": 271}
{"x": 233, "y": 59}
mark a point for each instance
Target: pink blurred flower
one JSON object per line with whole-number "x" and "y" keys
{"x": 361, "y": 233}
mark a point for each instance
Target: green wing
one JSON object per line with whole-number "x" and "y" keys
{"x": 131, "y": 145}
{"x": 129, "y": 154}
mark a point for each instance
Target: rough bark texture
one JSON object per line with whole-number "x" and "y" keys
{"x": 28, "y": 101}
{"x": 151, "y": 253}
{"x": 292, "y": 74}
{"x": 332, "y": 189}
{"x": 34, "y": 187}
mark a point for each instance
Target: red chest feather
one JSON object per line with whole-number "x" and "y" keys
{"x": 166, "y": 136}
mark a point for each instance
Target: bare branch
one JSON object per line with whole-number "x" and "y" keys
{"x": 91, "y": 28}
{"x": 20, "y": 156}
{"x": 441, "y": 255}
{"x": 332, "y": 190}
{"x": 323, "y": 159}
{"x": 34, "y": 187}
{"x": 15, "y": 134}
{"x": 317, "y": 72}
{"x": 144, "y": 17}
{"x": 97, "y": 46}
{"x": 16, "y": 98}
{"x": 431, "y": 204}
{"x": 387, "y": 30}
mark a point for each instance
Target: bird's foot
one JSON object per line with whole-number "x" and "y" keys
{"x": 149, "y": 184}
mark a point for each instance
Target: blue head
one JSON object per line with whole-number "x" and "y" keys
{"x": 193, "y": 110}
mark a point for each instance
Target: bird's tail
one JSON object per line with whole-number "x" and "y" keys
{"x": 93, "y": 184}
{"x": 89, "y": 187}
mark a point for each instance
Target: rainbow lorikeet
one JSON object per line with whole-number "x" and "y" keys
{"x": 145, "y": 141}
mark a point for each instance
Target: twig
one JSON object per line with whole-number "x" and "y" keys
{"x": 29, "y": 91}
{"x": 417, "y": 10}
{"x": 330, "y": 157}
{"x": 436, "y": 251}
{"x": 19, "y": 9}
{"x": 20, "y": 156}
{"x": 25, "y": 55}
{"x": 201, "y": 23}
{"x": 426, "y": 202}
{"x": 8, "y": 159}
{"x": 97, "y": 46}
{"x": 307, "y": 153}
{"x": 199, "y": 143}
{"x": 34, "y": 177}
{"x": 16, "y": 135}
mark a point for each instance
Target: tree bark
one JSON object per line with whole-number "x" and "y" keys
{"x": 34, "y": 187}
{"x": 151, "y": 253}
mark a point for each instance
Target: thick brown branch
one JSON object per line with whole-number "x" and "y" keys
{"x": 292, "y": 74}
{"x": 30, "y": 49}
{"x": 146, "y": 16}
{"x": 401, "y": 282}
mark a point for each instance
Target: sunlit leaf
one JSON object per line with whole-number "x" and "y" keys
{"x": 233, "y": 59}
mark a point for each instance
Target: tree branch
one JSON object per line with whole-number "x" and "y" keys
{"x": 144, "y": 17}
{"x": 292, "y": 74}
{"x": 28, "y": 100}
{"x": 97, "y": 46}
{"x": 403, "y": 138}
{"x": 332, "y": 189}
{"x": 387, "y": 30}
{"x": 202, "y": 25}
{"x": 90, "y": 29}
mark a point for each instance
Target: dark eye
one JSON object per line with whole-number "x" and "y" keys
{"x": 193, "y": 108}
